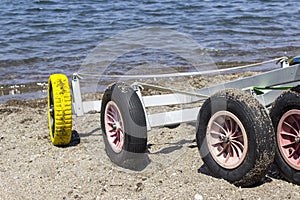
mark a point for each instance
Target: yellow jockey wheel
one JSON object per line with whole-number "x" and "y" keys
{"x": 59, "y": 110}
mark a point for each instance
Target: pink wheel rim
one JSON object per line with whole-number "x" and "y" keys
{"x": 227, "y": 139}
{"x": 288, "y": 137}
{"x": 114, "y": 126}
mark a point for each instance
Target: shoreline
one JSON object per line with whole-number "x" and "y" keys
{"x": 36, "y": 90}
{"x": 32, "y": 90}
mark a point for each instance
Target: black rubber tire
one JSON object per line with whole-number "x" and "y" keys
{"x": 133, "y": 154}
{"x": 288, "y": 100}
{"x": 259, "y": 131}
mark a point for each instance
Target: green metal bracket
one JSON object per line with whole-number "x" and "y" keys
{"x": 259, "y": 90}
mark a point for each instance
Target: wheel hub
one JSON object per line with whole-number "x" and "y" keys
{"x": 224, "y": 139}
{"x": 288, "y": 137}
{"x": 227, "y": 139}
{"x": 114, "y": 127}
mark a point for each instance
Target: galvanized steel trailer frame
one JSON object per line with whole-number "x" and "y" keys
{"x": 236, "y": 142}
{"x": 286, "y": 75}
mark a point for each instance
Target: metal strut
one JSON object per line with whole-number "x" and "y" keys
{"x": 161, "y": 88}
{"x": 77, "y": 105}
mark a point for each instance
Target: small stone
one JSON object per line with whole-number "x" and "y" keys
{"x": 198, "y": 197}
{"x": 174, "y": 174}
{"x": 98, "y": 198}
{"x": 32, "y": 158}
{"x": 139, "y": 187}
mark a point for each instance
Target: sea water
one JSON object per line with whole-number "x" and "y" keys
{"x": 42, "y": 37}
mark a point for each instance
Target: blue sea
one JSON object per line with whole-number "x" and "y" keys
{"x": 42, "y": 37}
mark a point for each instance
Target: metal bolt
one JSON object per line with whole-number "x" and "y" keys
{"x": 114, "y": 126}
{"x": 226, "y": 139}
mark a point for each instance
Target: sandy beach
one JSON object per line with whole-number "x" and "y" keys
{"x": 32, "y": 168}
{"x": 142, "y": 39}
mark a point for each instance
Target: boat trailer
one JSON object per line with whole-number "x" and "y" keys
{"x": 241, "y": 125}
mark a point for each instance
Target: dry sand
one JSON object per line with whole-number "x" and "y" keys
{"x": 32, "y": 168}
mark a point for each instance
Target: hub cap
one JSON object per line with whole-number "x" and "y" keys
{"x": 288, "y": 138}
{"x": 114, "y": 126}
{"x": 227, "y": 139}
